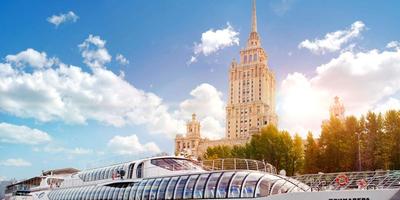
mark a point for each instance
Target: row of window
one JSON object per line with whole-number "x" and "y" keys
{"x": 197, "y": 186}
{"x": 99, "y": 174}
{"x": 251, "y": 58}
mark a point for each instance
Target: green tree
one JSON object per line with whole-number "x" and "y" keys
{"x": 311, "y": 155}
{"x": 297, "y": 155}
{"x": 391, "y": 126}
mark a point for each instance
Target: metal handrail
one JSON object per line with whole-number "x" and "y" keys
{"x": 238, "y": 164}
{"x": 389, "y": 179}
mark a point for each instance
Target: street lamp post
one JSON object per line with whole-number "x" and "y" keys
{"x": 359, "y": 151}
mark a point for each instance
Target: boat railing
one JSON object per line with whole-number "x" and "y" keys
{"x": 379, "y": 179}
{"x": 238, "y": 164}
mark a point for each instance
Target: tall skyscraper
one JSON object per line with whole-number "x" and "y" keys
{"x": 251, "y": 102}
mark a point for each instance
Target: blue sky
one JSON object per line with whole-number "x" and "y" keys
{"x": 51, "y": 127}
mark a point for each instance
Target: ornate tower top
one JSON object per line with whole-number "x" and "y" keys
{"x": 193, "y": 117}
{"x": 193, "y": 127}
{"x": 337, "y": 108}
{"x": 254, "y": 18}
{"x": 254, "y": 39}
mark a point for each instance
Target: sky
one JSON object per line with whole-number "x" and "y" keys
{"x": 86, "y": 83}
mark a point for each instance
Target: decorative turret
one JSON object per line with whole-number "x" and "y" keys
{"x": 337, "y": 108}
{"x": 193, "y": 127}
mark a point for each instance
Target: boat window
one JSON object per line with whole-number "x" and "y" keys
{"x": 116, "y": 192}
{"x": 88, "y": 192}
{"x": 211, "y": 185}
{"x": 60, "y": 194}
{"x": 249, "y": 186}
{"x": 276, "y": 188}
{"x": 75, "y": 193}
{"x": 126, "y": 193}
{"x": 63, "y": 193}
{"x": 91, "y": 193}
{"x": 162, "y": 188}
{"x": 80, "y": 193}
{"x": 70, "y": 193}
{"x": 66, "y": 194}
{"x": 54, "y": 195}
{"x": 222, "y": 189}
{"x": 130, "y": 170}
{"x": 97, "y": 192}
{"x": 101, "y": 193}
{"x": 199, "y": 188}
{"x": 171, "y": 187}
{"x": 264, "y": 186}
{"x": 108, "y": 172}
{"x": 105, "y": 193}
{"x": 146, "y": 190}
{"x": 102, "y": 172}
{"x": 132, "y": 193}
{"x": 154, "y": 189}
{"x": 188, "y": 194}
{"x": 91, "y": 176}
{"x": 111, "y": 192}
{"x": 98, "y": 177}
{"x": 236, "y": 184}
{"x": 140, "y": 189}
{"x": 121, "y": 193}
{"x": 139, "y": 171}
{"x": 180, "y": 187}
{"x": 174, "y": 164}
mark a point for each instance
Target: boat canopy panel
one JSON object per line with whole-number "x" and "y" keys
{"x": 212, "y": 185}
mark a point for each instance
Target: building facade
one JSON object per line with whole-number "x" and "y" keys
{"x": 251, "y": 95}
{"x": 251, "y": 100}
{"x": 189, "y": 145}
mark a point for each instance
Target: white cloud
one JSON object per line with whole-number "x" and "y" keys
{"x": 15, "y": 162}
{"x": 121, "y": 59}
{"x": 333, "y": 41}
{"x": 390, "y": 104}
{"x": 22, "y": 134}
{"x": 79, "y": 151}
{"x": 30, "y": 58}
{"x": 361, "y": 80}
{"x": 207, "y": 103}
{"x": 56, "y": 149}
{"x": 94, "y": 53}
{"x": 130, "y": 145}
{"x": 213, "y": 41}
{"x": 393, "y": 44}
{"x": 64, "y": 92}
{"x": 62, "y": 18}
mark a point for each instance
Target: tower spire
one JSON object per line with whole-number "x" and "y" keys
{"x": 254, "y": 18}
